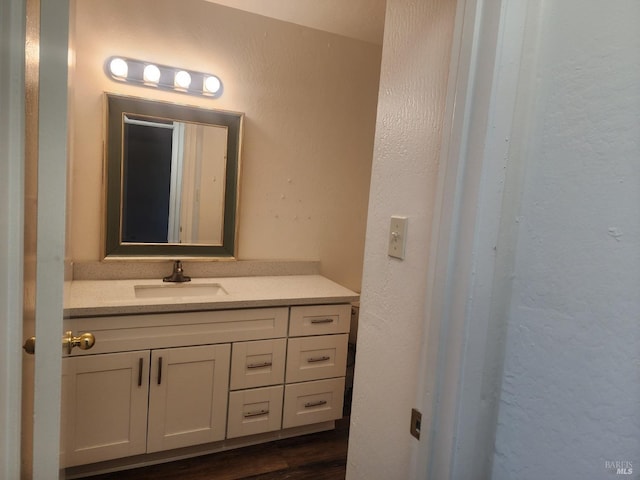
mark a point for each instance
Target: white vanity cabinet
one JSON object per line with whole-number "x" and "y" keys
{"x": 316, "y": 364}
{"x": 187, "y": 396}
{"x": 253, "y": 408}
{"x": 113, "y": 408}
{"x": 104, "y": 399}
{"x": 156, "y": 383}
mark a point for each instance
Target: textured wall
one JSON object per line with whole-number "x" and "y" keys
{"x": 411, "y": 103}
{"x": 571, "y": 386}
{"x": 309, "y": 99}
{"x": 361, "y": 19}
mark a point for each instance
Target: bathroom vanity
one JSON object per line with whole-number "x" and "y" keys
{"x": 179, "y": 370}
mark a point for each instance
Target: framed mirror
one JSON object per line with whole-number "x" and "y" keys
{"x": 172, "y": 179}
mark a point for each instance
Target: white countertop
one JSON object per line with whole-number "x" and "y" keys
{"x": 117, "y": 297}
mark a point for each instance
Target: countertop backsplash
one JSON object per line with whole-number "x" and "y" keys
{"x": 127, "y": 270}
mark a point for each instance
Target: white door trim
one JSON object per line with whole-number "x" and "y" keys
{"x": 52, "y": 177}
{"x": 469, "y": 275}
{"x": 12, "y": 39}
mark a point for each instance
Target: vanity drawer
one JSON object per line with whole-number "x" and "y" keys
{"x": 164, "y": 330}
{"x": 319, "y": 320}
{"x": 258, "y": 364}
{"x": 258, "y": 410}
{"x": 313, "y": 402}
{"x": 314, "y": 358}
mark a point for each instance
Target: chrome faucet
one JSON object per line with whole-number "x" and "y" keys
{"x": 178, "y": 275}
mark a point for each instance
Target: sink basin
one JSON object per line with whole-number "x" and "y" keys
{"x": 174, "y": 290}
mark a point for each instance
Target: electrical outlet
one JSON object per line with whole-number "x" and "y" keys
{"x": 398, "y": 237}
{"x": 416, "y": 423}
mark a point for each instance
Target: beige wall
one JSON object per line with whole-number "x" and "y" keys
{"x": 309, "y": 99}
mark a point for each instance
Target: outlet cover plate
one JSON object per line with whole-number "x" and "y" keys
{"x": 416, "y": 423}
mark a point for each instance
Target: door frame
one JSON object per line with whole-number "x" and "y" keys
{"x": 52, "y": 172}
{"x": 50, "y": 250}
{"x": 471, "y": 259}
{"x": 12, "y": 35}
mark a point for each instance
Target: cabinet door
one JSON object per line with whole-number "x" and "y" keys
{"x": 188, "y": 396}
{"x": 104, "y": 406}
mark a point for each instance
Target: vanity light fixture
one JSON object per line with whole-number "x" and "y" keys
{"x": 146, "y": 74}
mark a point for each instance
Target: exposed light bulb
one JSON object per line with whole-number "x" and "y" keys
{"x": 118, "y": 68}
{"x": 212, "y": 84}
{"x": 151, "y": 74}
{"x": 183, "y": 79}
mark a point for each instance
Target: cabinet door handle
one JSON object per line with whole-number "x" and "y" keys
{"x": 257, "y": 413}
{"x": 260, "y": 365}
{"x": 159, "y": 370}
{"x": 315, "y": 404}
{"x": 322, "y": 320}
{"x": 140, "y": 364}
{"x": 318, "y": 359}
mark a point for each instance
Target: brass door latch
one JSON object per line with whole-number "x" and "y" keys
{"x": 84, "y": 342}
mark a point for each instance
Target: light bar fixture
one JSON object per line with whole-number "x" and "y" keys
{"x": 153, "y": 75}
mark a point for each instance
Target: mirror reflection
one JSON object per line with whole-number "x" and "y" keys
{"x": 172, "y": 179}
{"x": 173, "y": 188}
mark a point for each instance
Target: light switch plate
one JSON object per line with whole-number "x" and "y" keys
{"x": 398, "y": 236}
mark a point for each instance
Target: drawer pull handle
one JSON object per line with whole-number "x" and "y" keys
{"x": 315, "y": 404}
{"x": 322, "y": 320}
{"x": 324, "y": 358}
{"x": 256, "y": 413}
{"x": 260, "y": 365}
{"x": 140, "y": 365}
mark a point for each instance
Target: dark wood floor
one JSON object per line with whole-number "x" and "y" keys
{"x": 319, "y": 456}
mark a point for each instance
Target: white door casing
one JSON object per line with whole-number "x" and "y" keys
{"x": 12, "y": 83}
{"x": 52, "y": 176}
{"x": 470, "y": 261}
